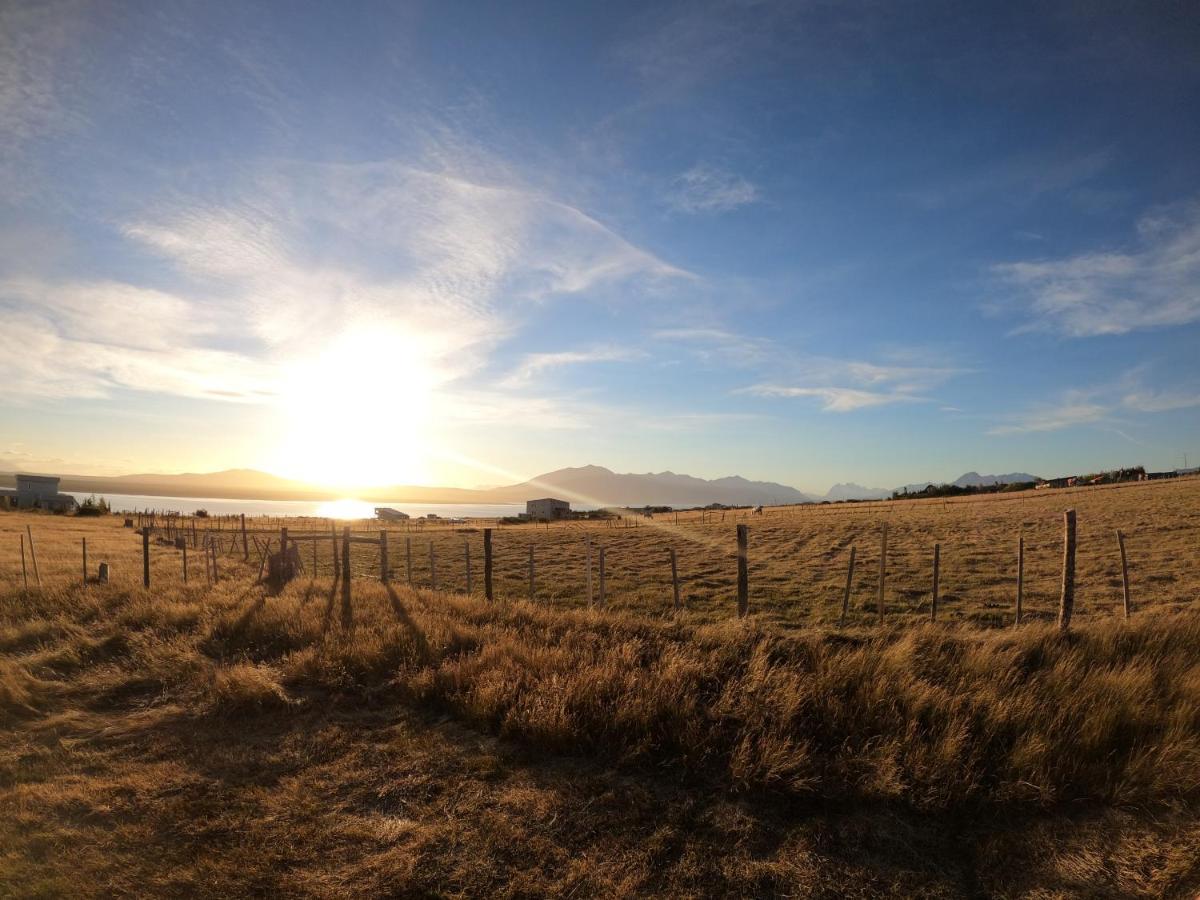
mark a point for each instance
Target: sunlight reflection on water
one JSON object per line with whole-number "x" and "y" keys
{"x": 346, "y": 509}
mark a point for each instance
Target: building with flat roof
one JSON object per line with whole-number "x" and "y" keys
{"x": 547, "y": 508}
{"x": 39, "y": 492}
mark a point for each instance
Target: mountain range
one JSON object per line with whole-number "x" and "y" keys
{"x": 583, "y": 485}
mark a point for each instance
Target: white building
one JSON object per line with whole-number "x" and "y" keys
{"x": 39, "y": 492}
{"x": 547, "y": 508}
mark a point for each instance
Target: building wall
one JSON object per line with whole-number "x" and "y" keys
{"x": 547, "y": 509}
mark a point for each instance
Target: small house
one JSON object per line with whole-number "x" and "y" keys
{"x": 388, "y": 514}
{"x": 547, "y": 509}
{"x": 39, "y": 492}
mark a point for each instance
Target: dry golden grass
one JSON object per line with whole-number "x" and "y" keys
{"x": 217, "y": 740}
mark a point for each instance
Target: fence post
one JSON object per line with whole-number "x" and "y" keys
{"x": 602, "y": 576}
{"x": 24, "y": 571}
{"x": 346, "y": 557}
{"x": 283, "y": 549}
{"x": 408, "y": 559}
{"x": 383, "y": 555}
{"x": 1020, "y": 577}
{"x": 467, "y": 555}
{"x": 1066, "y": 603}
{"x": 675, "y": 579}
{"x": 145, "y": 556}
{"x": 743, "y": 573}
{"x": 1128, "y": 604}
{"x": 531, "y": 589}
{"x": 432, "y": 568}
{"x": 37, "y": 574}
{"x": 882, "y": 567}
{"x": 193, "y": 532}
{"x": 85, "y": 562}
{"x": 212, "y": 548}
{"x": 245, "y": 543}
{"x": 846, "y": 593}
{"x": 937, "y": 557}
{"x": 487, "y": 564}
{"x": 588, "y": 553}
{"x": 185, "y": 561}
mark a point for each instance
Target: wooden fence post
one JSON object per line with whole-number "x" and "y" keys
{"x": 346, "y": 557}
{"x": 283, "y": 549}
{"x": 882, "y": 567}
{"x": 937, "y": 558}
{"x": 408, "y": 559}
{"x": 383, "y": 555}
{"x": 245, "y": 543}
{"x": 337, "y": 569}
{"x": 602, "y": 601}
{"x": 146, "y": 556}
{"x": 588, "y": 555}
{"x": 212, "y": 549}
{"x": 467, "y": 556}
{"x": 487, "y": 564}
{"x": 1020, "y": 577}
{"x": 743, "y": 573}
{"x": 37, "y": 574}
{"x": 1124, "y": 575}
{"x": 1066, "y": 603}
{"x": 846, "y": 593}
{"x": 24, "y": 571}
{"x": 674, "y": 579}
{"x": 531, "y": 588}
{"x": 432, "y": 568}
{"x": 185, "y": 561}
{"x": 85, "y": 562}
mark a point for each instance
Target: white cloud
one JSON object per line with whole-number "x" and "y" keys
{"x": 711, "y": 343}
{"x": 533, "y": 365}
{"x": 1103, "y": 404}
{"x": 836, "y": 399}
{"x": 1154, "y": 284}
{"x": 706, "y": 189}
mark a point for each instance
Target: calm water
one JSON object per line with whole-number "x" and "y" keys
{"x": 329, "y": 509}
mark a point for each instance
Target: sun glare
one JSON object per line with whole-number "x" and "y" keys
{"x": 346, "y": 509}
{"x": 358, "y": 413}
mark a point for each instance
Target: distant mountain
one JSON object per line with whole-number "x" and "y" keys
{"x": 598, "y": 486}
{"x": 851, "y": 491}
{"x": 973, "y": 479}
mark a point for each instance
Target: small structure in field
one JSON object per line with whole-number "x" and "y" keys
{"x": 39, "y": 492}
{"x": 547, "y": 509}
{"x": 387, "y": 514}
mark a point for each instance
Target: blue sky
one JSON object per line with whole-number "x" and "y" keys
{"x": 468, "y": 243}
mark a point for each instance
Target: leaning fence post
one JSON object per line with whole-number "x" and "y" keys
{"x": 846, "y": 593}
{"x": 85, "y": 562}
{"x": 467, "y": 556}
{"x": 1124, "y": 575}
{"x": 882, "y": 567}
{"x": 531, "y": 589}
{"x": 1020, "y": 577}
{"x": 383, "y": 555}
{"x": 601, "y": 576}
{"x": 1066, "y": 603}
{"x": 937, "y": 556}
{"x": 588, "y": 552}
{"x": 146, "y": 556}
{"x": 33, "y": 555}
{"x": 674, "y": 580}
{"x": 487, "y": 564}
{"x": 743, "y": 574}
{"x": 346, "y": 557}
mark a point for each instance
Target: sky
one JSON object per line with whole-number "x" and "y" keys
{"x": 464, "y": 244}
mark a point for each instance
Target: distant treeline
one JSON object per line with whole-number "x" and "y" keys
{"x": 956, "y": 490}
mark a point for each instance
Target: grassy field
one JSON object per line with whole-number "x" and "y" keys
{"x": 334, "y": 740}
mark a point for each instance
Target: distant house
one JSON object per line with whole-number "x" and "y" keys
{"x": 389, "y": 515}
{"x": 547, "y": 508}
{"x": 39, "y": 492}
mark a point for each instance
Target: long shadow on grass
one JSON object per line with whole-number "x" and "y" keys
{"x": 407, "y": 621}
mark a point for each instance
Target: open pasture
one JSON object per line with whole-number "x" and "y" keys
{"x": 798, "y": 556}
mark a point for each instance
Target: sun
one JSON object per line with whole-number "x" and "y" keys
{"x": 357, "y": 414}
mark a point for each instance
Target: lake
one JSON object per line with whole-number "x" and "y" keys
{"x": 347, "y": 508}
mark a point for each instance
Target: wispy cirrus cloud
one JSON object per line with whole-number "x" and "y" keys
{"x": 712, "y": 343}
{"x": 707, "y": 189}
{"x": 1107, "y": 404}
{"x": 1155, "y": 283}
{"x": 533, "y": 365}
{"x": 834, "y": 399}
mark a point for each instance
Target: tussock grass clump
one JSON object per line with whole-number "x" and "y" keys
{"x": 245, "y": 687}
